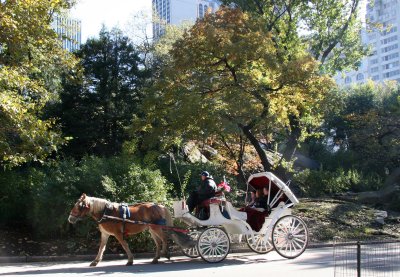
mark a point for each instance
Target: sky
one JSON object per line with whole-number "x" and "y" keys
{"x": 111, "y": 13}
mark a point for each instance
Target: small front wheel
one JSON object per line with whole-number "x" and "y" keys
{"x": 260, "y": 244}
{"x": 213, "y": 245}
{"x": 290, "y": 236}
{"x": 192, "y": 251}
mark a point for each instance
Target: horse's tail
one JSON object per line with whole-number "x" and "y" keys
{"x": 183, "y": 240}
{"x": 168, "y": 217}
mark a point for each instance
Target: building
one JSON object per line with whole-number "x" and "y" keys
{"x": 384, "y": 61}
{"x": 69, "y": 32}
{"x": 177, "y": 12}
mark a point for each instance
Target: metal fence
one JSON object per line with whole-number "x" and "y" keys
{"x": 367, "y": 258}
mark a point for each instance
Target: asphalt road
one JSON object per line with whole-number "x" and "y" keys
{"x": 314, "y": 262}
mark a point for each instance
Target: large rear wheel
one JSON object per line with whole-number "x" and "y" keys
{"x": 290, "y": 236}
{"x": 213, "y": 245}
{"x": 260, "y": 244}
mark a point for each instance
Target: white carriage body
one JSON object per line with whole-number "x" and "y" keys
{"x": 285, "y": 233}
{"x": 237, "y": 223}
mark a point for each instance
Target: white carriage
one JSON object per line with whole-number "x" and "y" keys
{"x": 281, "y": 230}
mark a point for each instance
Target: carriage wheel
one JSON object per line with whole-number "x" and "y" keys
{"x": 213, "y": 245}
{"x": 290, "y": 236}
{"x": 260, "y": 244}
{"x": 192, "y": 251}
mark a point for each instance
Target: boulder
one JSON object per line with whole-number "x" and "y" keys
{"x": 192, "y": 153}
{"x": 380, "y": 217}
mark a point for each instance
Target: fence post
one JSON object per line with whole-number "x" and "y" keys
{"x": 358, "y": 259}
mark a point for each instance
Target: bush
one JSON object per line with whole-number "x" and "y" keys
{"x": 44, "y": 196}
{"x": 320, "y": 183}
{"x": 15, "y": 195}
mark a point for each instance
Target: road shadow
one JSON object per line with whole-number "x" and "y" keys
{"x": 176, "y": 264}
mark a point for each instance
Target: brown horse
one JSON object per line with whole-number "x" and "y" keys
{"x": 143, "y": 212}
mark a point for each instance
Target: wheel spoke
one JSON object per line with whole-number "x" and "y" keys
{"x": 290, "y": 236}
{"x": 213, "y": 245}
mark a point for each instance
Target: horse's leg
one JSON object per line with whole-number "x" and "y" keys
{"x": 159, "y": 232}
{"x": 125, "y": 245}
{"x": 157, "y": 242}
{"x": 103, "y": 243}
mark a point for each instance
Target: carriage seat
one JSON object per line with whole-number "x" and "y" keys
{"x": 235, "y": 214}
{"x": 217, "y": 199}
{"x": 202, "y": 210}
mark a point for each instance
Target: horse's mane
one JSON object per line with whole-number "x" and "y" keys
{"x": 98, "y": 204}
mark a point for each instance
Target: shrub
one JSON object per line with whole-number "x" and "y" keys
{"x": 319, "y": 183}
{"x": 56, "y": 188}
{"x": 15, "y": 195}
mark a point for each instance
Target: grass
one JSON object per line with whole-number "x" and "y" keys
{"x": 329, "y": 218}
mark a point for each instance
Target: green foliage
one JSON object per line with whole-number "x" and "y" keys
{"x": 190, "y": 172}
{"x": 367, "y": 130}
{"x": 100, "y": 99}
{"x": 47, "y": 194}
{"x": 226, "y": 78}
{"x": 185, "y": 182}
{"x": 321, "y": 183}
{"x": 330, "y": 28}
{"x": 31, "y": 64}
{"x": 15, "y": 195}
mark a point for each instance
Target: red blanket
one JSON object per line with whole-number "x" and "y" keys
{"x": 255, "y": 218}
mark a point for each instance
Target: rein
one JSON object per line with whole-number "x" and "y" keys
{"x": 113, "y": 218}
{"x": 124, "y": 220}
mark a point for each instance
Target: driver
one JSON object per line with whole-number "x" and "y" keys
{"x": 205, "y": 191}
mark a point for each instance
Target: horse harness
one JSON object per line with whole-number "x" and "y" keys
{"x": 125, "y": 216}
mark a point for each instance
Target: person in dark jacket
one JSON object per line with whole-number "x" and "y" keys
{"x": 205, "y": 191}
{"x": 261, "y": 199}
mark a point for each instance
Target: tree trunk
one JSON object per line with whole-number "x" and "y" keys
{"x": 294, "y": 135}
{"x": 256, "y": 144}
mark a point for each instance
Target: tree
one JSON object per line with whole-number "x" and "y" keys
{"x": 330, "y": 30}
{"x": 98, "y": 101}
{"x": 31, "y": 64}
{"x": 227, "y": 78}
{"x": 367, "y": 125}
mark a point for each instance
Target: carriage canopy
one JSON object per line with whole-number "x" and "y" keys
{"x": 278, "y": 190}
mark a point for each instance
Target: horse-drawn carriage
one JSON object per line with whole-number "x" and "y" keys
{"x": 210, "y": 237}
{"x": 280, "y": 230}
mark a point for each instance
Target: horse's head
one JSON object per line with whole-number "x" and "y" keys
{"x": 80, "y": 209}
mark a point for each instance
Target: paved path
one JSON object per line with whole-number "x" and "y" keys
{"x": 313, "y": 263}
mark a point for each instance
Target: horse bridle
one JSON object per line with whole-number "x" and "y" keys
{"x": 81, "y": 207}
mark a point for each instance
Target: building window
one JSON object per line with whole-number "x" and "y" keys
{"x": 201, "y": 12}
{"x": 347, "y": 80}
{"x": 391, "y": 65}
{"x": 374, "y": 69}
{"x": 375, "y": 78}
{"x": 360, "y": 76}
{"x": 387, "y": 31}
{"x": 390, "y": 39}
{"x": 390, "y": 48}
{"x": 374, "y": 61}
{"x": 391, "y": 56}
{"x": 391, "y": 73}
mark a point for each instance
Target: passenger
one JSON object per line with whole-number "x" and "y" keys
{"x": 261, "y": 200}
{"x": 205, "y": 191}
{"x": 252, "y": 199}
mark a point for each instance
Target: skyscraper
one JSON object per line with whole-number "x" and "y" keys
{"x": 178, "y": 11}
{"x": 69, "y": 32}
{"x": 384, "y": 61}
